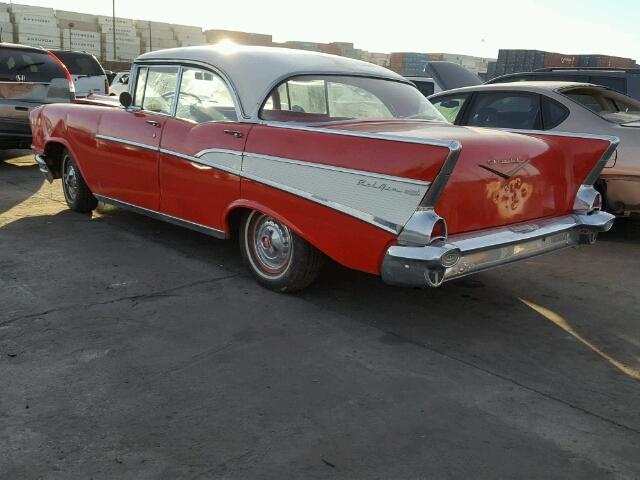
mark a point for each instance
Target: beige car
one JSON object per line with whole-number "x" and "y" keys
{"x": 563, "y": 107}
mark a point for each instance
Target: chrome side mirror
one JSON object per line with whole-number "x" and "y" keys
{"x": 126, "y": 100}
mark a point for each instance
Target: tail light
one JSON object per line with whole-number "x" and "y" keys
{"x": 67, "y": 74}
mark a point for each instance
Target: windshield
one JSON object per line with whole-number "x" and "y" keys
{"x": 331, "y": 98}
{"x": 80, "y": 63}
{"x": 612, "y": 106}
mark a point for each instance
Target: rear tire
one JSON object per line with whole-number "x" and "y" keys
{"x": 76, "y": 192}
{"x": 278, "y": 258}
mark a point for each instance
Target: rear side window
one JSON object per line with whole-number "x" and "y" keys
{"x": 18, "y": 65}
{"x": 505, "y": 110}
{"x": 618, "y": 84}
{"x": 80, "y": 63}
{"x": 553, "y": 113}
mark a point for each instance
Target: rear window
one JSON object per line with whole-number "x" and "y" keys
{"x": 80, "y": 63}
{"x": 18, "y": 65}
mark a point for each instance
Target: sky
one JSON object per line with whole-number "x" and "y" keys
{"x": 610, "y": 27}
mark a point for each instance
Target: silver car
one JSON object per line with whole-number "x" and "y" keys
{"x": 560, "y": 106}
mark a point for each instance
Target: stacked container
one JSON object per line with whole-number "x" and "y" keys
{"x": 155, "y": 35}
{"x": 127, "y": 46}
{"x": 476, "y": 65}
{"x": 36, "y": 26}
{"x": 376, "y": 58}
{"x": 6, "y": 27}
{"x": 605, "y": 61}
{"x": 411, "y": 64}
{"x": 309, "y": 46}
{"x": 242, "y": 38}
{"x": 188, "y": 36}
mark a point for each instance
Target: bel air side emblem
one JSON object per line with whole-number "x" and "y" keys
{"x": 520, "y": 164}
{"x": 385, "y": 187}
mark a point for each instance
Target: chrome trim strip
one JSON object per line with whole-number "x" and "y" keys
{"x": 127, "y": 142}
{"x": 435, "y": 191}
{"x": 597, "y": 169}
{"x": 365, "y": 217}
{"x": 321, "y": 166}
{"x": 352, "y": 133}
{"x": 201, "y": 161}
{"x": 554, "y": 133}
{"x": 218, "y": 150}
{"x": 214, "y": 232}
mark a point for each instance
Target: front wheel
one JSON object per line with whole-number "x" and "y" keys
{"x": 278, "y": 258}
{"x": 76, "y": 192}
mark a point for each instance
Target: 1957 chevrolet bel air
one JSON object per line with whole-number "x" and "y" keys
{"x": 302, "y": 155}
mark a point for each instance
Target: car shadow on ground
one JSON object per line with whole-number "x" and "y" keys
{"x": 13, "y": 163}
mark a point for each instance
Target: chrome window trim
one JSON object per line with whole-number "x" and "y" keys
{"x": 289, "y": 76}
{"x": 214, "y": 232}
{"x": 127, "y": 142}
{"x": 242, "y": 117}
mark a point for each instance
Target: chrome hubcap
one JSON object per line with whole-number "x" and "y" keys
{"x": 270, "y": 244}
{"x": 70, "y": 179}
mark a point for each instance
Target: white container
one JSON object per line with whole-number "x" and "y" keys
{"x": 4, "y": 7}
{"x": 192, "y": 44}
{"x": 81, "y": 35}
{"x": 124, "y": 42}
{"x": 6, "y": 27}
{"x": 76, "y": 17}
{"x": 30, "y": 19}
{"x": 45, "y": 31}
{"x": 6, "y": 37}
{"x": 39, "y": 40}
{"x": 121, "y": 30}
{"x": 28, "y": 9}
{"x": 77, "y": 25}
{"x": 122, "y": 22}
{"x": 5, "y": 17}
{"x": 158, "y": 44}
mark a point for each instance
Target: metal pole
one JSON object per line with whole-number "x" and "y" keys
{"x": 150, "y": 44}
{"x": 114, "y": 30}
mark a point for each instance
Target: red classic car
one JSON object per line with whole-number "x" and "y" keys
{"x": 302, "y": 155}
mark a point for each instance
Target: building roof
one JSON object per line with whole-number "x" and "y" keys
{"x": 255, "y": 71}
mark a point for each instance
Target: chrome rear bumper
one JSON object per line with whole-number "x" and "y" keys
{"x": 476, "y": 251}
{"x": 44, "y": 168}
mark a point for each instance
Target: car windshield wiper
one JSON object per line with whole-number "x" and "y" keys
{"x": 29, "y": 65}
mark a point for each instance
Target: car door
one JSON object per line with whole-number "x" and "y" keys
{"x": 201, "y": 151}
{"x": 516, "y": 110}
{"x": 129, "y": 139}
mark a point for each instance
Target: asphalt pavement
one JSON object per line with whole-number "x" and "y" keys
{"x": 134, "y": 349}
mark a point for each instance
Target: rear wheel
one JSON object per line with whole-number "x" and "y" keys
{"x": 278, "y": 258}
{"x": 76, "y": 192}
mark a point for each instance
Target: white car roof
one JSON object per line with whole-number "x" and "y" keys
{"x": 254, "y": 71}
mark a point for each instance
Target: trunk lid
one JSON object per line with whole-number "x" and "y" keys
{"x": 502, "y": 178}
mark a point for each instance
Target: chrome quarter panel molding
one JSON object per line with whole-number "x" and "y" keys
{"x": 127, "y": 142}
{"x": 597, "y": 169}
{"x": 441, "y": 180}
{"x": 214, "y": 232}
{"x": 383, "y": 199}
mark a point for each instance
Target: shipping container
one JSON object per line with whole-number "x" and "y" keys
{"x": 78, "y": 25}
{"x": 37, "y": 29}
{"x": 120, "y": 22}
{"x": 30, "y": 19}
{"x": 38, "y": 40}
{"x": 18, "y": 9}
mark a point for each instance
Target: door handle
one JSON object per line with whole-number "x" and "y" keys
{"x": 153, "y": 122}
{"x": 235, "y": 133}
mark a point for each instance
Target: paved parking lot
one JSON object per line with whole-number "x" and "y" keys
{"x": 133, "y": 349}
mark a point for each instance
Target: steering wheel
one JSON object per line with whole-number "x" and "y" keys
{"x": 168, "y": 95}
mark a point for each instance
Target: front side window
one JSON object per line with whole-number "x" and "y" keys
{"x": 450, "y": 106}
{"x": 505, "y": 110}
{"x": 331, "y": 98}
{"x": 156, "y": 89}
{"x": 204, "y": 97}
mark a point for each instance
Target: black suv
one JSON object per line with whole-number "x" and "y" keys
{"x": 29, "y": 77}
{"x": 625, "y": 81}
